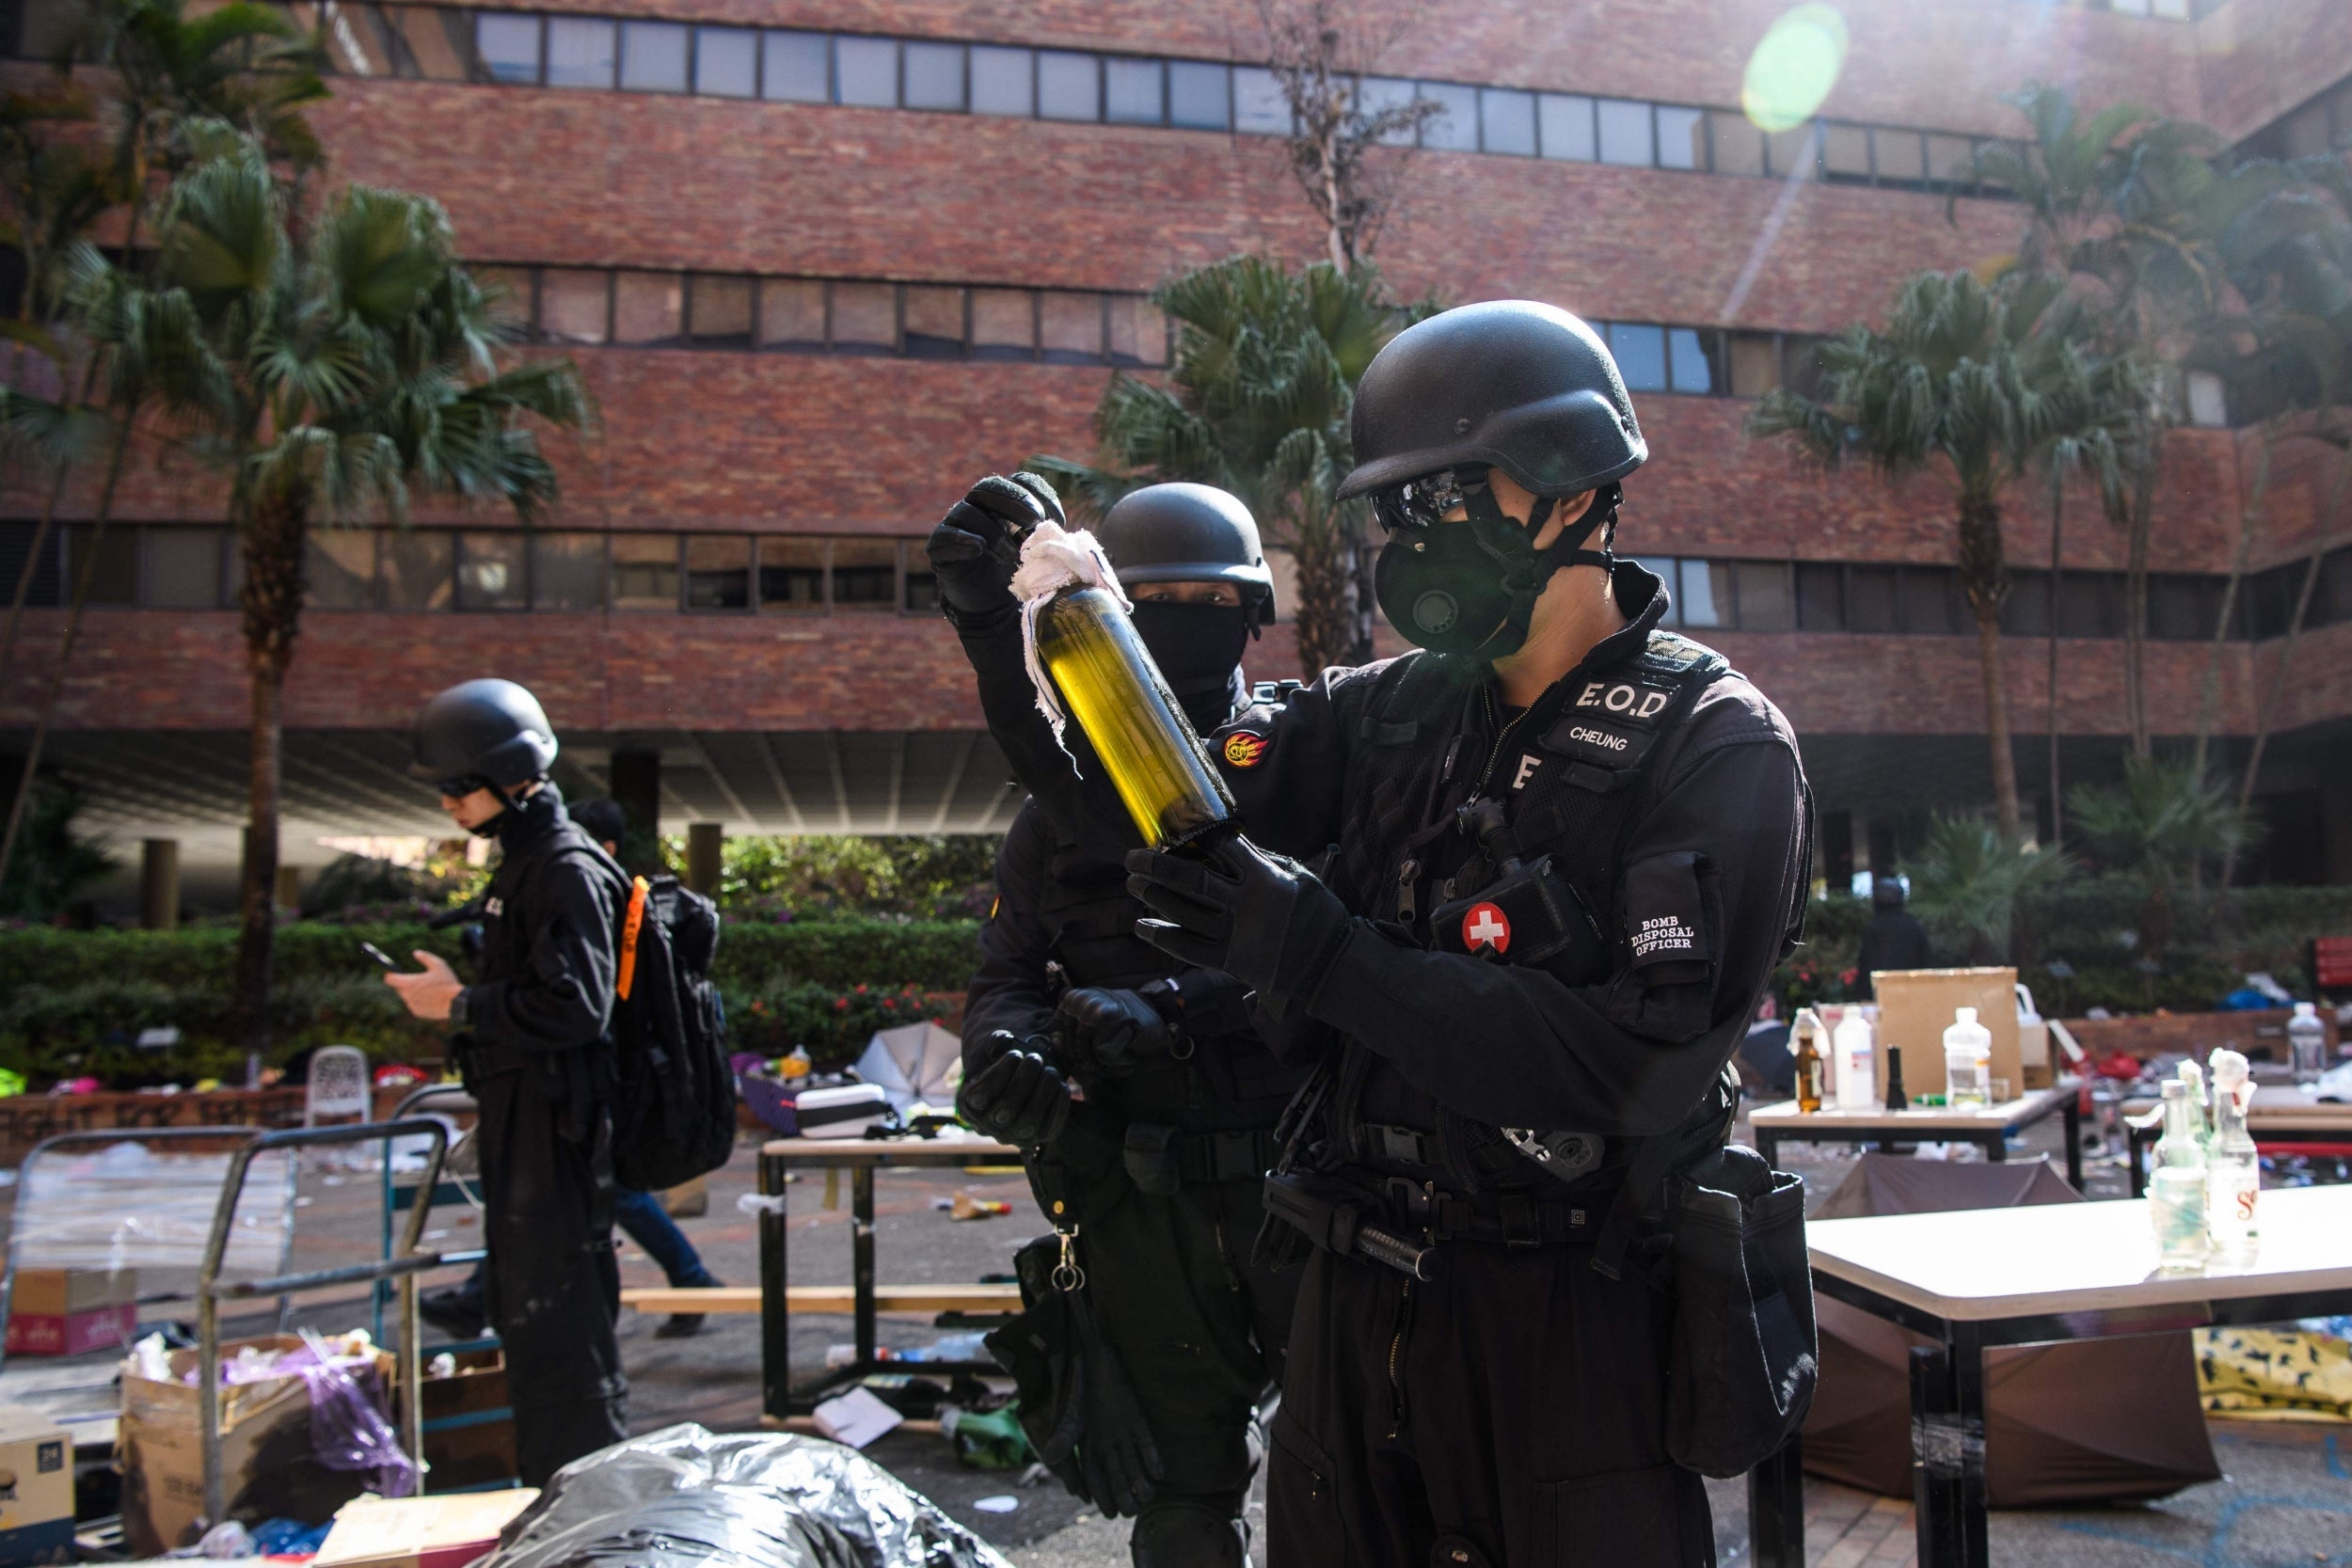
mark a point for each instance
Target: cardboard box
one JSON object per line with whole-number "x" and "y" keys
{"x": 469, "y": 1423}
{"x": 1915, "y": 1006}
{"x": 268, "y": 1467}
{"x": 36, "y": 1489}
{"x": 68, "y": 1311}
{"x": 446, "y": 1531}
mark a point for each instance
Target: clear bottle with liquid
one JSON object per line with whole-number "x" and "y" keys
{"x": 2307, "y": 1043}
{"x": 1857, "y": 1075}
{"x": 2176, "y": 1189}
{"x": 1967, "y": 1062}
{"x": 2199, "y": 1107}
{"x": 2232, "y": 1167}
{"x": 1811, "y": 1061}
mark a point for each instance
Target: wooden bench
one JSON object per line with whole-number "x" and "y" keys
{"x": 828, "y": 1298}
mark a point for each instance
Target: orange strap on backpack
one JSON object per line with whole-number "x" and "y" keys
{"x": 629, "y": 926}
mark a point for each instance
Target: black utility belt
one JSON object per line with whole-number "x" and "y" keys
{"x": 1403, "y": 1224}
{"x": 1160, "y": 1158}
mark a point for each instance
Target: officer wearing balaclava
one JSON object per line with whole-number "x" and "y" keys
{"x": 1143, "y": 1104}
{"x": 1572, "y": 846}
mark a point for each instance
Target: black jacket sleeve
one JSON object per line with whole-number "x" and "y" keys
{"x": 1287, "y": 765}
{"x": 1724, "y": 847}
{"x": 563, "y": 997}
{"x": 1012, "y": 990}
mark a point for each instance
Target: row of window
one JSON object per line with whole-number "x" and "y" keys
{"x": 603, "y": 53}
{"x": 172, "y": 566}
{"x": 920, "y": 321}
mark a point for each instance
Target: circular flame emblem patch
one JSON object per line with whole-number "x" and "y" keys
{"x": 1245, "y": 750}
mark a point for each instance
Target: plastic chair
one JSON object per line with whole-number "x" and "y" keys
{"x": 338, "y": 1085}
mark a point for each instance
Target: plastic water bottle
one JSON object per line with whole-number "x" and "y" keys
{"x": 2307, "y": 1043}
{"x": 2232, "y": 1168}
{"x": 2193, "y": 1090}
{"x": 1857, "y": 1079}
{"x": 2176, "y": 1190}
{"x": 1967, "y": 1062}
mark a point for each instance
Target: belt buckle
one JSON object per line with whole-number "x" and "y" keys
{"x": 1408, "y": 1197}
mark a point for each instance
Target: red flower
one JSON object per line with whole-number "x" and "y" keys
{"x": 840, "y": 1004}
{"x": 860, "y": 991}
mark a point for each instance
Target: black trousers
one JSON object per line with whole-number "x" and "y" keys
{"x": 554, "y": 1283}
{"x": 1509, "y": 1414}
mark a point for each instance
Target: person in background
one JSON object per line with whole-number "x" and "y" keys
{"x": 1894, "y": 938}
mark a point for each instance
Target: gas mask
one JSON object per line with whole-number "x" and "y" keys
{"x": 1470, "y": 587}
{"x": 1197, "y": 646}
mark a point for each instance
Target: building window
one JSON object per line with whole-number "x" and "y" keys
{"x": 1454, "y": 125}
{"x": 2091, "y": 604}
{"x": 1681, "y": 137}
{"x": 792, "y": 574}
{"x": 1259, "y": 105}
{"x": 1070, "y": 326}
{"x": 1641, "y": 355}
{"x": 1898, "y": 158}
{"x": 1625, "y": 132}
{"x": 1873, "y": 599}
{"x": 1069, "y": 87}
{"x": 791, "y": 313}
{"x": 1766, "y": 600}
{"x": 1138, "y": 332}
{"x": 653, "y": 57}
{"x": 417, "y": 567}
{"x": 1754, "y": 363}
{"x": 492, "y": 571}
{"x": 719, "y": 571}
{"x": 1377, "y": 95}
{"x": 718, "y": 311}
{"x": 866, "y": 73}
{"x": 1845, "y": 154}
{"x": 575, "y": 306}
{"x": 337, "y": 570}
{"x": 1507, "y": 121}
{"x": 1821, "y": 597}
{"x": 1663, "y": 565}
{"x": 1931, "y": 602}
{"x": 1132, "y": 91}
{"x": 1707, "y": 593}
{"x": 864, "y": 574}
{"x": 934, "y": 323}
{"x": 1004, "y": 324}
{"x": 1199, "y": 95}
{"x": 864, "y": 318}
{"x": 648, "y": 309}
{"x": 581, "y": 52}
{"x": 934, "y": 73}
{"x": 1692, "y": 360}
{"x": 508, "y": 46}
{"x": 180, "y": 567}
{"x": 644, "y": 571}
{"x": 568, "y": 570}
{"x": 1735, "y": 143}
{"x": 1566, "y": 123}
{"x": 727, "y": 62}
{"x": 796, "y": 67}
{"x": 1004, "y": 81}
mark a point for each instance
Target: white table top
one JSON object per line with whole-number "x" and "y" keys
{"x": 2278, "y": 1110}
{"x": 1974, "y": 1265}
{"x": 1784, "y": 1117}
{"x": 970, "y": 1149}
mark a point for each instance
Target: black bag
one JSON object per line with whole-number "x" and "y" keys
{"x": 1746, "y": 1356}
{"x": 1044, "y": 1350}
{"x": 674, "y": 1093}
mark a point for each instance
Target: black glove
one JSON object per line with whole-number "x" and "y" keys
{"x": 1020, "y": 1098}
{"x": 976, "y": 546}
{"x": 1114, "y": 1445}
{"x": 1262, "y": 918}
{"x": 1115, "y": 1030}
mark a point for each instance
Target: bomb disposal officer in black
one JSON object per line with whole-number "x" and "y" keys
{"x": 1158, "y": 1161}
{"x": 1568, "y": 849}
{"x": 530, "y": 1035}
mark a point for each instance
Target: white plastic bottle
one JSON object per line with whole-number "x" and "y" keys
{"x": 2307, "y": 1043}
{"x": 1857, "y": 1076}
{"x": 1967, "y": 1062}
{"x": 2232, "y": 1167}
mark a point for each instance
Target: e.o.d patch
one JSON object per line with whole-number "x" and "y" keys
{"x": 1244, "y": 749}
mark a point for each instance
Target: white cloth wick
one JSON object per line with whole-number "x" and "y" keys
{"x": 1054, "y": 557}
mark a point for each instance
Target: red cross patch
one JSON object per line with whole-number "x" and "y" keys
{"x": 1486, "y": 926}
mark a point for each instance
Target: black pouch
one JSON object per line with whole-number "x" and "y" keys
{"x": 1044, "y": 1350}
{"x": 1153, "y": 1155}
{"x": 1534, "y": 916}
{"x": 1745, "y": 1354}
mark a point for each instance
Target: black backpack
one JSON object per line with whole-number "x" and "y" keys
{"x": 674, "y": 1094}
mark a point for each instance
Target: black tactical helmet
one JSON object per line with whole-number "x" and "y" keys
{"x": 1508, "y": 383}
{"x": 1188, "y": 534}
{"x": 489, "y": 730}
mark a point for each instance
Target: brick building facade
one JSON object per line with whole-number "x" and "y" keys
{"x": 823, "y": 263}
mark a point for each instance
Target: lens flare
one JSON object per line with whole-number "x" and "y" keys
{"x": 1794, "y": 66}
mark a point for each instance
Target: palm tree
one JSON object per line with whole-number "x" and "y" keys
{"x": 2160, "y": 828}
{"x": 1978, "y": 383}
{"x": 1968, "y": 879}
{"x": 341, "y": 370}
{"x": 1257, "y": 401}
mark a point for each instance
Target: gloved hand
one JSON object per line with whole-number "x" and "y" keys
{"x": 1115, "y": 1446}
{"x": 1116, "y": 1030}
{"x": 1020, "y": 1098}
{"x": 976, "y": 546}
{"x": 1262, "y": 918}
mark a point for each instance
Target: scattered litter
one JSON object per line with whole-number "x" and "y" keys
{"x": 1003, "y": 1503}
{"x": 964, "y": 1206}
{"x": 228, "y": 1539}
{"x": 304, "y": 1202}
{"x": 856, "y": 1418}
{"x": 986, "y": 1440}
{"x": 443, "y": 1364}
{"x": 759, "y": 1203}
{"x": 1037, "y": 1474}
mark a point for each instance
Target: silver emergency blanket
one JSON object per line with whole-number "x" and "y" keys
{"x": 688, "y": 1498}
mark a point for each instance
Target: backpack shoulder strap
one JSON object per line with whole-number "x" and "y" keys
{"x": 632, "y": 927}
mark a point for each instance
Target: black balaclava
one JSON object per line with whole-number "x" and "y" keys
{"x": 1197, "y": 648}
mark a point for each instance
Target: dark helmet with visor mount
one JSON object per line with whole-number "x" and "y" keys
{"x": 1513, "y": 386}
{"x": 1183, "y": 532}
{"x": 482, "y": 735}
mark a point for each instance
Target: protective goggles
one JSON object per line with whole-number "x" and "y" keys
{"x": 463, "y": 785}
{"x": 1424, "y": 502}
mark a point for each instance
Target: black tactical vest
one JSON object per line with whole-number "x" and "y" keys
{"x": 1572, "y": 776}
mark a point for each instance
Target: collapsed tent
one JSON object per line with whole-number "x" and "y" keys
{"x": 2078, "y": 1421}
{"x": 687, "y": 1498}
{"x": 911, "y": 1063}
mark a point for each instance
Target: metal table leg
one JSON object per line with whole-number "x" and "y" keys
{"x": 1995, "y": 1146}
{"x": 1767, "y": 1145}
{"x": 2071, "y": 1110}
{"x": 862, "y": 1260}
{"x": 1776, "y": 1509}
{"x": 776, "y": 1307}
{"x": 2137, "y": 1139}
{"x": 1935, "y": 1459}
{"x": 1967, "y": 1364}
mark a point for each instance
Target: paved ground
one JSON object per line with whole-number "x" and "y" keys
{"x": 2286, "y": 1498}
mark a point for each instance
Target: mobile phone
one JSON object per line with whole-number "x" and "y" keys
{"x": 378, "y": 954}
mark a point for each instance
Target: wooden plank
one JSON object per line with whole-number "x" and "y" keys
{"x": 828, "y": 1298}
